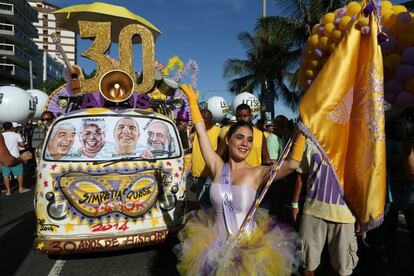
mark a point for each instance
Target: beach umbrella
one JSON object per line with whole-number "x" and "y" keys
{"x": 67, "y": 18}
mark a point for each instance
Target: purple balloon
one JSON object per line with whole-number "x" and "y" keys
{"x": 393, "y": 86}
{"x": 404, "y": 71}
{"x": 365, "y": 30}
{"x": 320, "y": 30}
{"x": 341, "y": 12}
{"x": 405, "y": 98}
{"x": 391, "y": 98}
{"x": 404, "y": 18}
{"x": 407, "y": 55}
{"x": 389, "y": 46}
{"x": 318, "y": 53}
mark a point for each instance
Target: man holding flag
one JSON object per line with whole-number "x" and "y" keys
{"x": 342, "y": 134}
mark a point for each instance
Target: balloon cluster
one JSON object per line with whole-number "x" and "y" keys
{"x": 18, "y": 105}
{"x": 397, "y": 44}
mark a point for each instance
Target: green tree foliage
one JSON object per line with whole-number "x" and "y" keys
{"x": 274, "y": 50}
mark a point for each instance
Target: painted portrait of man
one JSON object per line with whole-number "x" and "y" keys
{"x": 61, "y": 141}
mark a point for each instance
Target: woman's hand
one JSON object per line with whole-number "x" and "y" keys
{"x": 193, "y": 103}
{"x": 192, "y": 95}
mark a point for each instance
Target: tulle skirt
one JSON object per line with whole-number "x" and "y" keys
{"x": 270, "y": 249}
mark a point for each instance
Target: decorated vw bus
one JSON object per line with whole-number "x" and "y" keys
{"x": 108, "y": 180}
{"x": 111, "y": 172}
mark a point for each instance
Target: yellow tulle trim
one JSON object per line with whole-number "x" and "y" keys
{"x": 256, "y": 254}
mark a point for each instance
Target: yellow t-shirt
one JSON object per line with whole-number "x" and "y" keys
{"x": 223, "y": 132}
{"x": 255, "y": 156}
{"x": 199, "y": 168}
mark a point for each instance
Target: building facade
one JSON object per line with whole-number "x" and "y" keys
{"x": 46, "y": 26}
{"x": 18, "y": 53}
{"x": 22, "y": 63}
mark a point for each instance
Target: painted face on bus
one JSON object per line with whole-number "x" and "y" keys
{"x": 92, "y": 138}
{"x": 61, "y": 141}
{"x": 158, "y": 136}
{"x": 126, "y": 135}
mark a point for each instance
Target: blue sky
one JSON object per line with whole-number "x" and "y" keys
{"x": 203, "y": 30}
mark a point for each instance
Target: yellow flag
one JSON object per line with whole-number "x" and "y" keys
{"x": 342, "y": 112}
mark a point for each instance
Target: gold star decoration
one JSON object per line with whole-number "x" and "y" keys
{"x": 69, "y": 227}
{"x": 40, "y": 245}
{"x": 154, "y": 222}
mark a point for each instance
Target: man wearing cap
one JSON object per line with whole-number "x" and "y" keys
{"x": 182, "y": 125}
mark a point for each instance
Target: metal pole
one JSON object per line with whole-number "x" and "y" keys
{"x": 264, "y": 8}
{"x": 44, "y": 66}
{"x": 31, "y": 74}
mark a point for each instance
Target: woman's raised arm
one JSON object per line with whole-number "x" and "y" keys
{"x": 212, "y": 159}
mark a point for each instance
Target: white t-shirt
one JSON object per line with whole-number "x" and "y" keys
{"x": 11, "y": 139}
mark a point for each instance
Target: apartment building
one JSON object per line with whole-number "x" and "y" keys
{"x": 46, "y": 26}
{"x": 17, "y": 50}
{"x": 21, "y": 61}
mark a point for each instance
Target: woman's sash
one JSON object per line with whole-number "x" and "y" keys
{"x": 227, "y": 195}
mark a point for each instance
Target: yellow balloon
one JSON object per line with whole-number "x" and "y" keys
{"x": 392, "y": 61}
{"x": 315, "y": 28}
{"x": 309, "y": 73}
{"x": 336, "y": 35}
{"x": 405, "y": 41}
{"x": 388, "y": 19}
{"x": 328, "y": 18}
{"x": 386, "y": 10}
{"x": 399, "y": 8}
{"x": 386, "y": 4}
{"x": 324, "y": 42}
{"x": 313, "y": 63}
{"x": 344, "y": 23}
{"x": 363, "y": 21}
{"x": 352, "y": 9}
{"x": 332, "y": 47}
{"x": 409, "y": 85}
{"x": 328, "y": 29}
{"x": 313, "y": 40}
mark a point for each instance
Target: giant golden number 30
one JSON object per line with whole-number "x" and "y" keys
{"x": 101, "y": 31}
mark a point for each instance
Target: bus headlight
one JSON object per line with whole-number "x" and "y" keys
{"x": 58, "y": 210}
{"x": 167, "y": 201}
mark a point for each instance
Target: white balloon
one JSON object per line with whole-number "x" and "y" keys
{"x": 16, "y": 105}
{"x": 218, "y": 107}
{"x": 249, "y": 99}
{"x": 40, "y": 99}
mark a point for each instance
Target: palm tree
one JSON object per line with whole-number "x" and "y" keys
{"x": 274, "y": 50}
{"x": 409, "y": 5}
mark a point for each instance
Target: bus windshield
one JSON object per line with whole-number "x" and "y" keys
{"x": 111, "y": 138}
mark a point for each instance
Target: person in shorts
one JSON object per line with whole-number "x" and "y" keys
{"x": 13, "y": 141}
{"x": 326, "y": 217}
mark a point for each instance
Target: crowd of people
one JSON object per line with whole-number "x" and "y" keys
{"x": 304, "y": 220}
{"x": 304, "y": 196}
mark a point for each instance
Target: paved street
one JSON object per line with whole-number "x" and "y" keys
{"x": 17, "y": 226}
